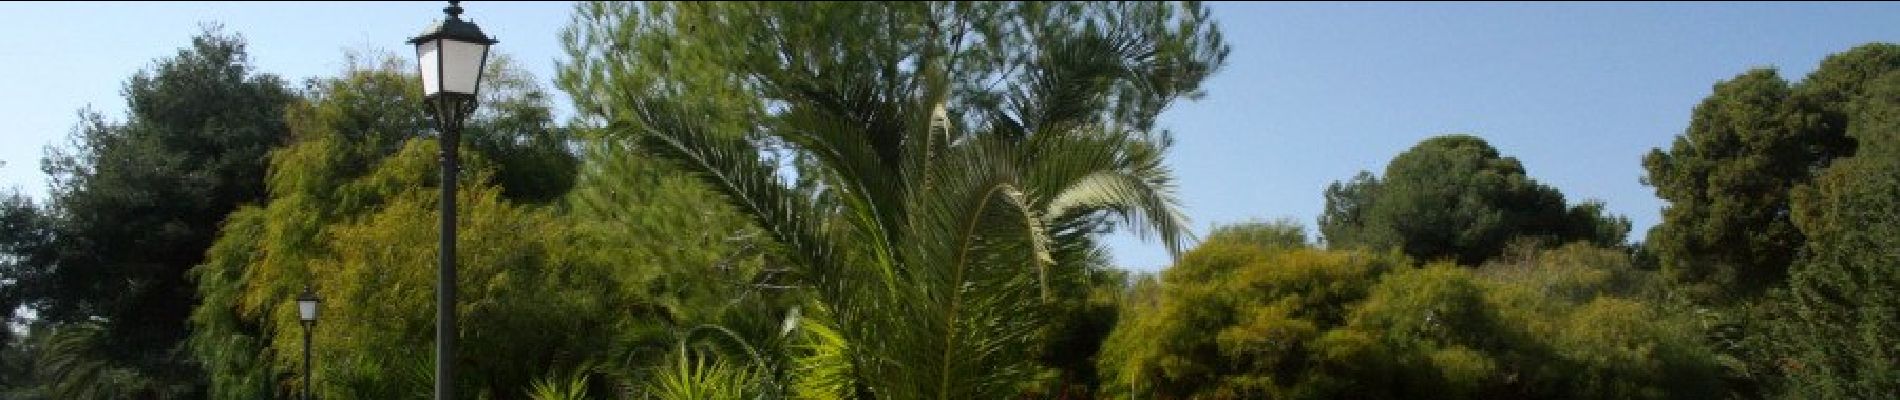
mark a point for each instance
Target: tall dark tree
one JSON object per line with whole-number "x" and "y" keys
{"x": 1455, "y": 197}
{"x": 134, "y": 204}
{"x": 1727, "y": 231}
{"x": 516, "y": 129}
{"x": 25, "y": 236}
{"x": 1846, "y": 290}
{"x": 1344, "y": 219}
{"x": 1726, "y": 179}
{"x": 24, "y": 245}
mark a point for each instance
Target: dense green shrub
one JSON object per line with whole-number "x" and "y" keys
{"x": 1240, "y": 320}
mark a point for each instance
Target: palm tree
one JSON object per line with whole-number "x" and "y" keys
{"x": 931, "y": 243}
{"x": 69, "y": 366}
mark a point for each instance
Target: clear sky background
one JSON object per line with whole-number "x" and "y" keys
{"x": 1313, "y": 92}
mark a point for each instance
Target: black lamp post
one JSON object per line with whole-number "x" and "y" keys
{"x": 451, "y": 55}
{"x": 307, "y": 312}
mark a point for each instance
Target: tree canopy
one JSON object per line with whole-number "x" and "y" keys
{"x": 1248, "y": 320}
{"x": 906, "y": 200}
{"x": 134, "y": 204}
{"x": 949, "y": 161}
{"x": 1844, "y": 287}
{"x": 349, "y": 214}
{"x": 1455, "y": 197}
{"x": 1728, "y": 228}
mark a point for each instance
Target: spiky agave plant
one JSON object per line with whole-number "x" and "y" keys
{"x": 569, "y": 386}
{"x": 696, "y": 375}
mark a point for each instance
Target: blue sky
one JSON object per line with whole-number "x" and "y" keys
{"x": 1313, "y": 93}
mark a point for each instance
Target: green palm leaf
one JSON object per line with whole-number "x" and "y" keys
{"x": 933, "y": 249}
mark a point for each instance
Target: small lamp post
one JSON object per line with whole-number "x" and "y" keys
{"x": 307, "y": 312}
{"x": 451, "y": 55}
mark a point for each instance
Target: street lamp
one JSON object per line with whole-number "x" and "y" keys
{"x": 307, "y": 312}
{"x": 451, "y": 54}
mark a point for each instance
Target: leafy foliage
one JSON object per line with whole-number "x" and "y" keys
{"x": 1241, "y": 320}
{"x": 133, "y": 205}
{"x": 1231, "y": 318}
{"x": 690, "y": 377}
{"x": 70, "y": 366}
{"x": 903, "y": 200}
{"x": 700, "y": 256}
{"x": 1727, "y": 232}
{"x": 1454, "y": 197}
{"x": 931, "y": 242}
{"x": 570, "y": 387}
{"x": 351, "y": 213}
{"x": 26, "y": 237}
{"x": 1749, "y": 243}
{"x": 1752, "y": 188}
{"x": 1277, "y": 233}
{"x": 698, "y": 263}
{"x": 1844, "y": 302}
{"x": 17, "y": 359}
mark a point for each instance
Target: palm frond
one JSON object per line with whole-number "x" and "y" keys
{"x": 71, "y": 368}
{"x": 971, "y": 306}
{"x": 826, "y": 364}
{"x": 1145, "y": 204}
{"x": 920, "y": 234}
{"x": 733, "y": 167}
{"x": 852, "y": 160}
{"x": 1083, "y": 160}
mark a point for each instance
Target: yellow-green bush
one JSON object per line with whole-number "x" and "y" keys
{"x": 1235, "y": 319}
